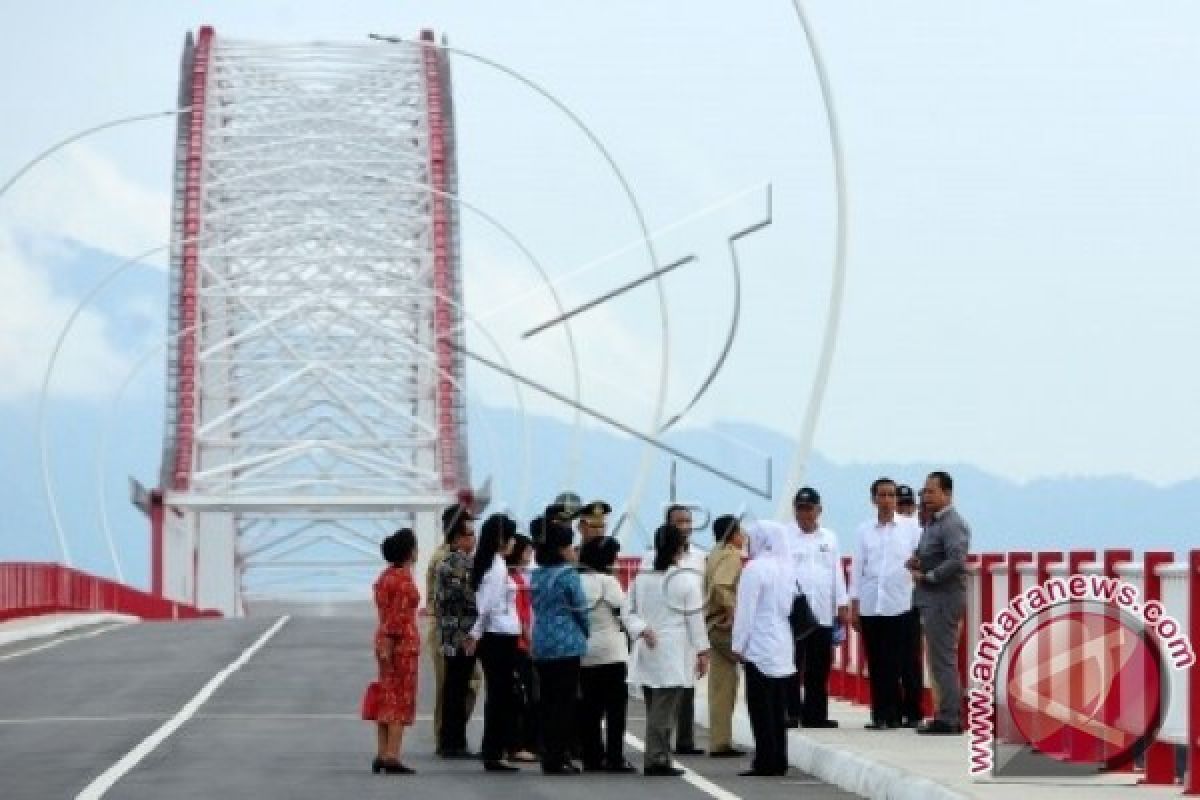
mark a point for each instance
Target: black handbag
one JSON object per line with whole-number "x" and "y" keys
{"x": 802, "y": 619}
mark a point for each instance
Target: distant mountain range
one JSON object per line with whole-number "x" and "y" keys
{"x": 1096, "y": 512}
{"x": 1063, "y": 512}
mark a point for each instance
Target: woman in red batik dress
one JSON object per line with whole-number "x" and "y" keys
{"x": 397, "y": 645}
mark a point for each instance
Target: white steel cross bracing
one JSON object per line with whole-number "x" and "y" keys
{"x": 313, "y": 405}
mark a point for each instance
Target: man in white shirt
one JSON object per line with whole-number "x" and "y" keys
{"x": 881, "y": 609}
{"x": 818, "y": 564}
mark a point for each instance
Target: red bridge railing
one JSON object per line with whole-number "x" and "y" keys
{"x": 27, "y": 589}
{"x": 996, "y": 579}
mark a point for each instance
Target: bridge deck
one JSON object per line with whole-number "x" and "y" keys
{"x": 284, "y": 725}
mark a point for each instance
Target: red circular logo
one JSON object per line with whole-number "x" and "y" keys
{"x": 1085, "y": 686}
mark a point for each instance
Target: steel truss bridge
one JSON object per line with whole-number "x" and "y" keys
{"x": 315, "y": 393}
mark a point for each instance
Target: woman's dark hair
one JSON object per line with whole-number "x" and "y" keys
{"x": 599, "y": 554}
{"x": 398, "y": 548}
{"x": 724, "y": 527}
{"x": 537, "y": 530}
{"x": 668, "y": 542}
{"x": 549, "y": 554}
{"x": 493, "y": 535}
{"x": 521, "y": 543}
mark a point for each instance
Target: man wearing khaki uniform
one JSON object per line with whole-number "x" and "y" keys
{"x": 433, "y": 638}
{"x": 721, "y": 572}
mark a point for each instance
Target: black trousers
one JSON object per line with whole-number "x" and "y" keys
{"x": 882, "y": 641}
{"x": 685, "y": 721}
{"x": 814, "y": 657}
{"x": 604, "y": 698}
{"x": 498, "y": 653}
{"x": 894, "y": 666}
{"x": 911, "y": 684}
{"x": 459, "y": 669}
{"x": 558, "y": 683}
{"x": 766, "y": 702}
{"x": 526, "y": 730}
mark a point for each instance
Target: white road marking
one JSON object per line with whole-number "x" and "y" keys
{"x": 97, "y": 788}
{"x": 694, "y": 778}
{"x": 143, "y": 717}
{"x": 122, "y": 718}
{"x": 63, "y": 640}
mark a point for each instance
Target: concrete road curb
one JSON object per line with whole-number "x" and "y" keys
{"x": 27, "y": 628}
{"x": 839, "y": 767}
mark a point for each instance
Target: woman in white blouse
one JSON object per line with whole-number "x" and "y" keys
{"x": 495, "y": 635}
{"x": 763, "y": 642}
{"x": 604, "y": 695}
{"x": 666, "y": 620}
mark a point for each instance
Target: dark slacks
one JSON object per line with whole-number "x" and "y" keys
{"x": 814, "y": 658}
{"x": 882, "y": 639}
{"x": 558, "y": 683}
{"x": 604, "y": 698}
{"x": 911, "y": 683}
{"x": 766, "y": 702}
{"x": 455, "y": 686}
{"x": 526, "y": 729}
{"x": 685, "y": 721}
{"x": 498, "y": 653}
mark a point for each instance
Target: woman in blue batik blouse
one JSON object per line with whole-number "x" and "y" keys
{"x": 560, "y": 635}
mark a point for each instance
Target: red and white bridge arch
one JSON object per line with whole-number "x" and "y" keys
{"x": 315, "y": 397}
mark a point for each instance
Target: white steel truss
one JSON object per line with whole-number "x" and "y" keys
{"x": 313, "y": 404}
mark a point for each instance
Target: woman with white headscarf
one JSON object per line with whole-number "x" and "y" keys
{"x": 763, "y": 642}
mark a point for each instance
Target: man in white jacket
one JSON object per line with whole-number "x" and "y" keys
{"x": 818, "y": 563}
{"x": 763, "y": 642}
{"x": 679, "y": 517}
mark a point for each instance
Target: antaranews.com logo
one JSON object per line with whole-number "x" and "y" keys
{"x": 1071, "y": 678}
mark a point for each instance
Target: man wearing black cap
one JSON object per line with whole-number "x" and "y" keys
{"x": 911, "y": 669}
{"x": 906, "y": 502}
{"x": 558, "y": 514}
{"x": 818, "y": 563}
{"x": 593, "y": 521}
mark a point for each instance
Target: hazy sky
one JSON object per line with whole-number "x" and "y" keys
{"x": 1023, "y": 203}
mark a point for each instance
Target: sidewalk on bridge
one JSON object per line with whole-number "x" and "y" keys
{"x": 901, "y": 765}
{"x": 42, "y": 625}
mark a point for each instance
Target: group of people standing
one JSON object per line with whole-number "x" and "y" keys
{"x": 561, "y": 643}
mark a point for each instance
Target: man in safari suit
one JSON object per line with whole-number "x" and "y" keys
{"x": 939, "y": 571}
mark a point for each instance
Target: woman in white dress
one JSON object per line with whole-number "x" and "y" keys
{"x": 670, "y": 650}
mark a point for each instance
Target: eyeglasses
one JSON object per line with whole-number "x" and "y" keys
{"x": 885, "y": 494}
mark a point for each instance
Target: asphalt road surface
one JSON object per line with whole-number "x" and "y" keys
{"x": 140, "y": 712}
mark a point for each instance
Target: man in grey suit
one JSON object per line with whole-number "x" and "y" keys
{"x": 939, "y": 571}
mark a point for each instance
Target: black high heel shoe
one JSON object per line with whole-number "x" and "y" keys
{"x": 390, "y": 767}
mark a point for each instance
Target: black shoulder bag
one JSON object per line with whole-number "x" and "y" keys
{"x": 802, "y": 619}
